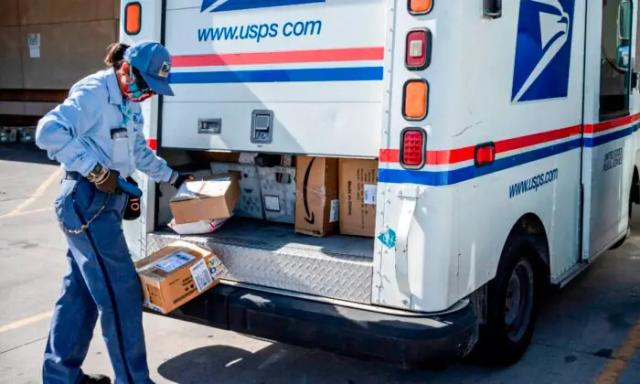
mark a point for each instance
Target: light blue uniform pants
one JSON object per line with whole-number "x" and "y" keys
{"x": 101, "y": 282}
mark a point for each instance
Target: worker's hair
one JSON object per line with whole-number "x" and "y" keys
{"x": 115, "y": 55}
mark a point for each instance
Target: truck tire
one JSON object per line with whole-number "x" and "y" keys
{"x": 512, "y": 305}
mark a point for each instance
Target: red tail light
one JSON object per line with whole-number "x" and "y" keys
{"x": 485, "y": 154}
{"x": 413, "y": 148}
{"x": 418, "y": 50}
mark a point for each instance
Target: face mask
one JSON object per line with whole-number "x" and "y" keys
{"x": 136, "y": 89}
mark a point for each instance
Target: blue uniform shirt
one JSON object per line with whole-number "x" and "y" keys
{"x": 95, "y": 124}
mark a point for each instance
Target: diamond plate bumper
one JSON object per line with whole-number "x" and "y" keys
{"x": 271, "y": 255}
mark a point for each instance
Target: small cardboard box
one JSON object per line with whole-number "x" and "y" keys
{"x": 358, "y": 189}
{"x": 205, "y": 200}
{"x": 167, "y": 191}
{"x": 176, "y": 274}
{"x": 278, "y": 189}
{"x": 250, "y": 201}
{"x": 316, "y": 195}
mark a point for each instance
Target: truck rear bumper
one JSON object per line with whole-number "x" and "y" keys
{"x": 408, "y": 341}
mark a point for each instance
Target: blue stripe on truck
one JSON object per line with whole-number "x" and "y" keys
{"x": 440, "y": 178}
{"x": 279, "y": 75}
{"x": 591, "y": 142}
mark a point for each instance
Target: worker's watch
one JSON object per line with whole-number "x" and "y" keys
{"x": 97, "y": 174}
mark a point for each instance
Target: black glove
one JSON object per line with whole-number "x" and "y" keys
{"x": 179, "y": 178}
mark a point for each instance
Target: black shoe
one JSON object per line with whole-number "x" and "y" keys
{"x": 95, "y": 379}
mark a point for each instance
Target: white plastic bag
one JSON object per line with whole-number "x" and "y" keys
{"x": 197, "y": 228}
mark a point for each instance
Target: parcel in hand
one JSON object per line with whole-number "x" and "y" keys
{"x": 205, "y": 200}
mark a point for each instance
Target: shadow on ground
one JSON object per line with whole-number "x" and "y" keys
{"x": 277, "y": 363}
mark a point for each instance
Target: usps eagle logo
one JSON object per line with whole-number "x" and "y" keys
{"x": 543, "y": 50}
{"x": 234, "y": 5}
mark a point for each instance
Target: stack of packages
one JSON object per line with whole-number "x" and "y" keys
{"x": 336, "y": 194}
{"x": 202, "y": 206}
{"x": 322, "y": 196}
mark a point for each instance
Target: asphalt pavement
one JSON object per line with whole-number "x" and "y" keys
{"x": 588, "y": 332}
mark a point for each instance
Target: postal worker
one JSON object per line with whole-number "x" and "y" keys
{"x": 96, "y": 134}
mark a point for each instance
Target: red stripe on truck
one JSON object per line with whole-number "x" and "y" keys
{"x": 610, "y": 124}
{"x": 457, "y": 155}
{"x": 281, "y": 57}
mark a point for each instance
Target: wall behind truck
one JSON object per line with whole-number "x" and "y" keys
{"x": 73, "y": 35}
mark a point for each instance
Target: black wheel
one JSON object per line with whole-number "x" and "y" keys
{"x": 512, "y": 306}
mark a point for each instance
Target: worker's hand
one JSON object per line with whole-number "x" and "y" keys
{"x": 109, "y": 183}
{"x": 178, "y": 178}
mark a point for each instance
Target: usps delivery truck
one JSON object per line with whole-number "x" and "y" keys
{"x": 505, "y": 138}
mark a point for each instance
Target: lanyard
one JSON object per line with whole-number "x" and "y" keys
{"x": 127, "y": 113}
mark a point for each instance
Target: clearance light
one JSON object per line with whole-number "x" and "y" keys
{"x": 420, "y": 7}
{"x": 416, "y": 100}
{"x": 418, "y": 50}
{"x": 133, "y": 18}
{"x": 485, "y": 154}
{"x": 413, "y": 148}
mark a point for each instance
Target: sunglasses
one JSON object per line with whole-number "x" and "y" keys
{"x": 138, "y": 86}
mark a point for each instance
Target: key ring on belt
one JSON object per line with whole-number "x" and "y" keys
{"x": 85, "y": 226}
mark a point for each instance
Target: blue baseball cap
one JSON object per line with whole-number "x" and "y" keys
{"x": 153, "y": 61}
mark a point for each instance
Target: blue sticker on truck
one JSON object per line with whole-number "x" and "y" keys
{"x": 543, "y": 50}
{"x": 235, "y": 5}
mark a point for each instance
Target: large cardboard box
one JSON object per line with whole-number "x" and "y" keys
{"x": 278, "y": 189}
{"x": 358, "y": 189}
{"x": 250, "y": 202}
{"x": 205, "y": 200}
{"x": 316, "y": 195}
{"x": 176, "y": 274}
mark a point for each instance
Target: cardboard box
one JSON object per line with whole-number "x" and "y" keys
{"x": 176, "y": 274}
{"x": 167, "y": 192}
{"x": 250, "y": 202}
{"x": 316, "y": 196}
{"x": 205, "y": 200}
{"x": 358, "y": 189}
{"x": 278, "y": 189}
